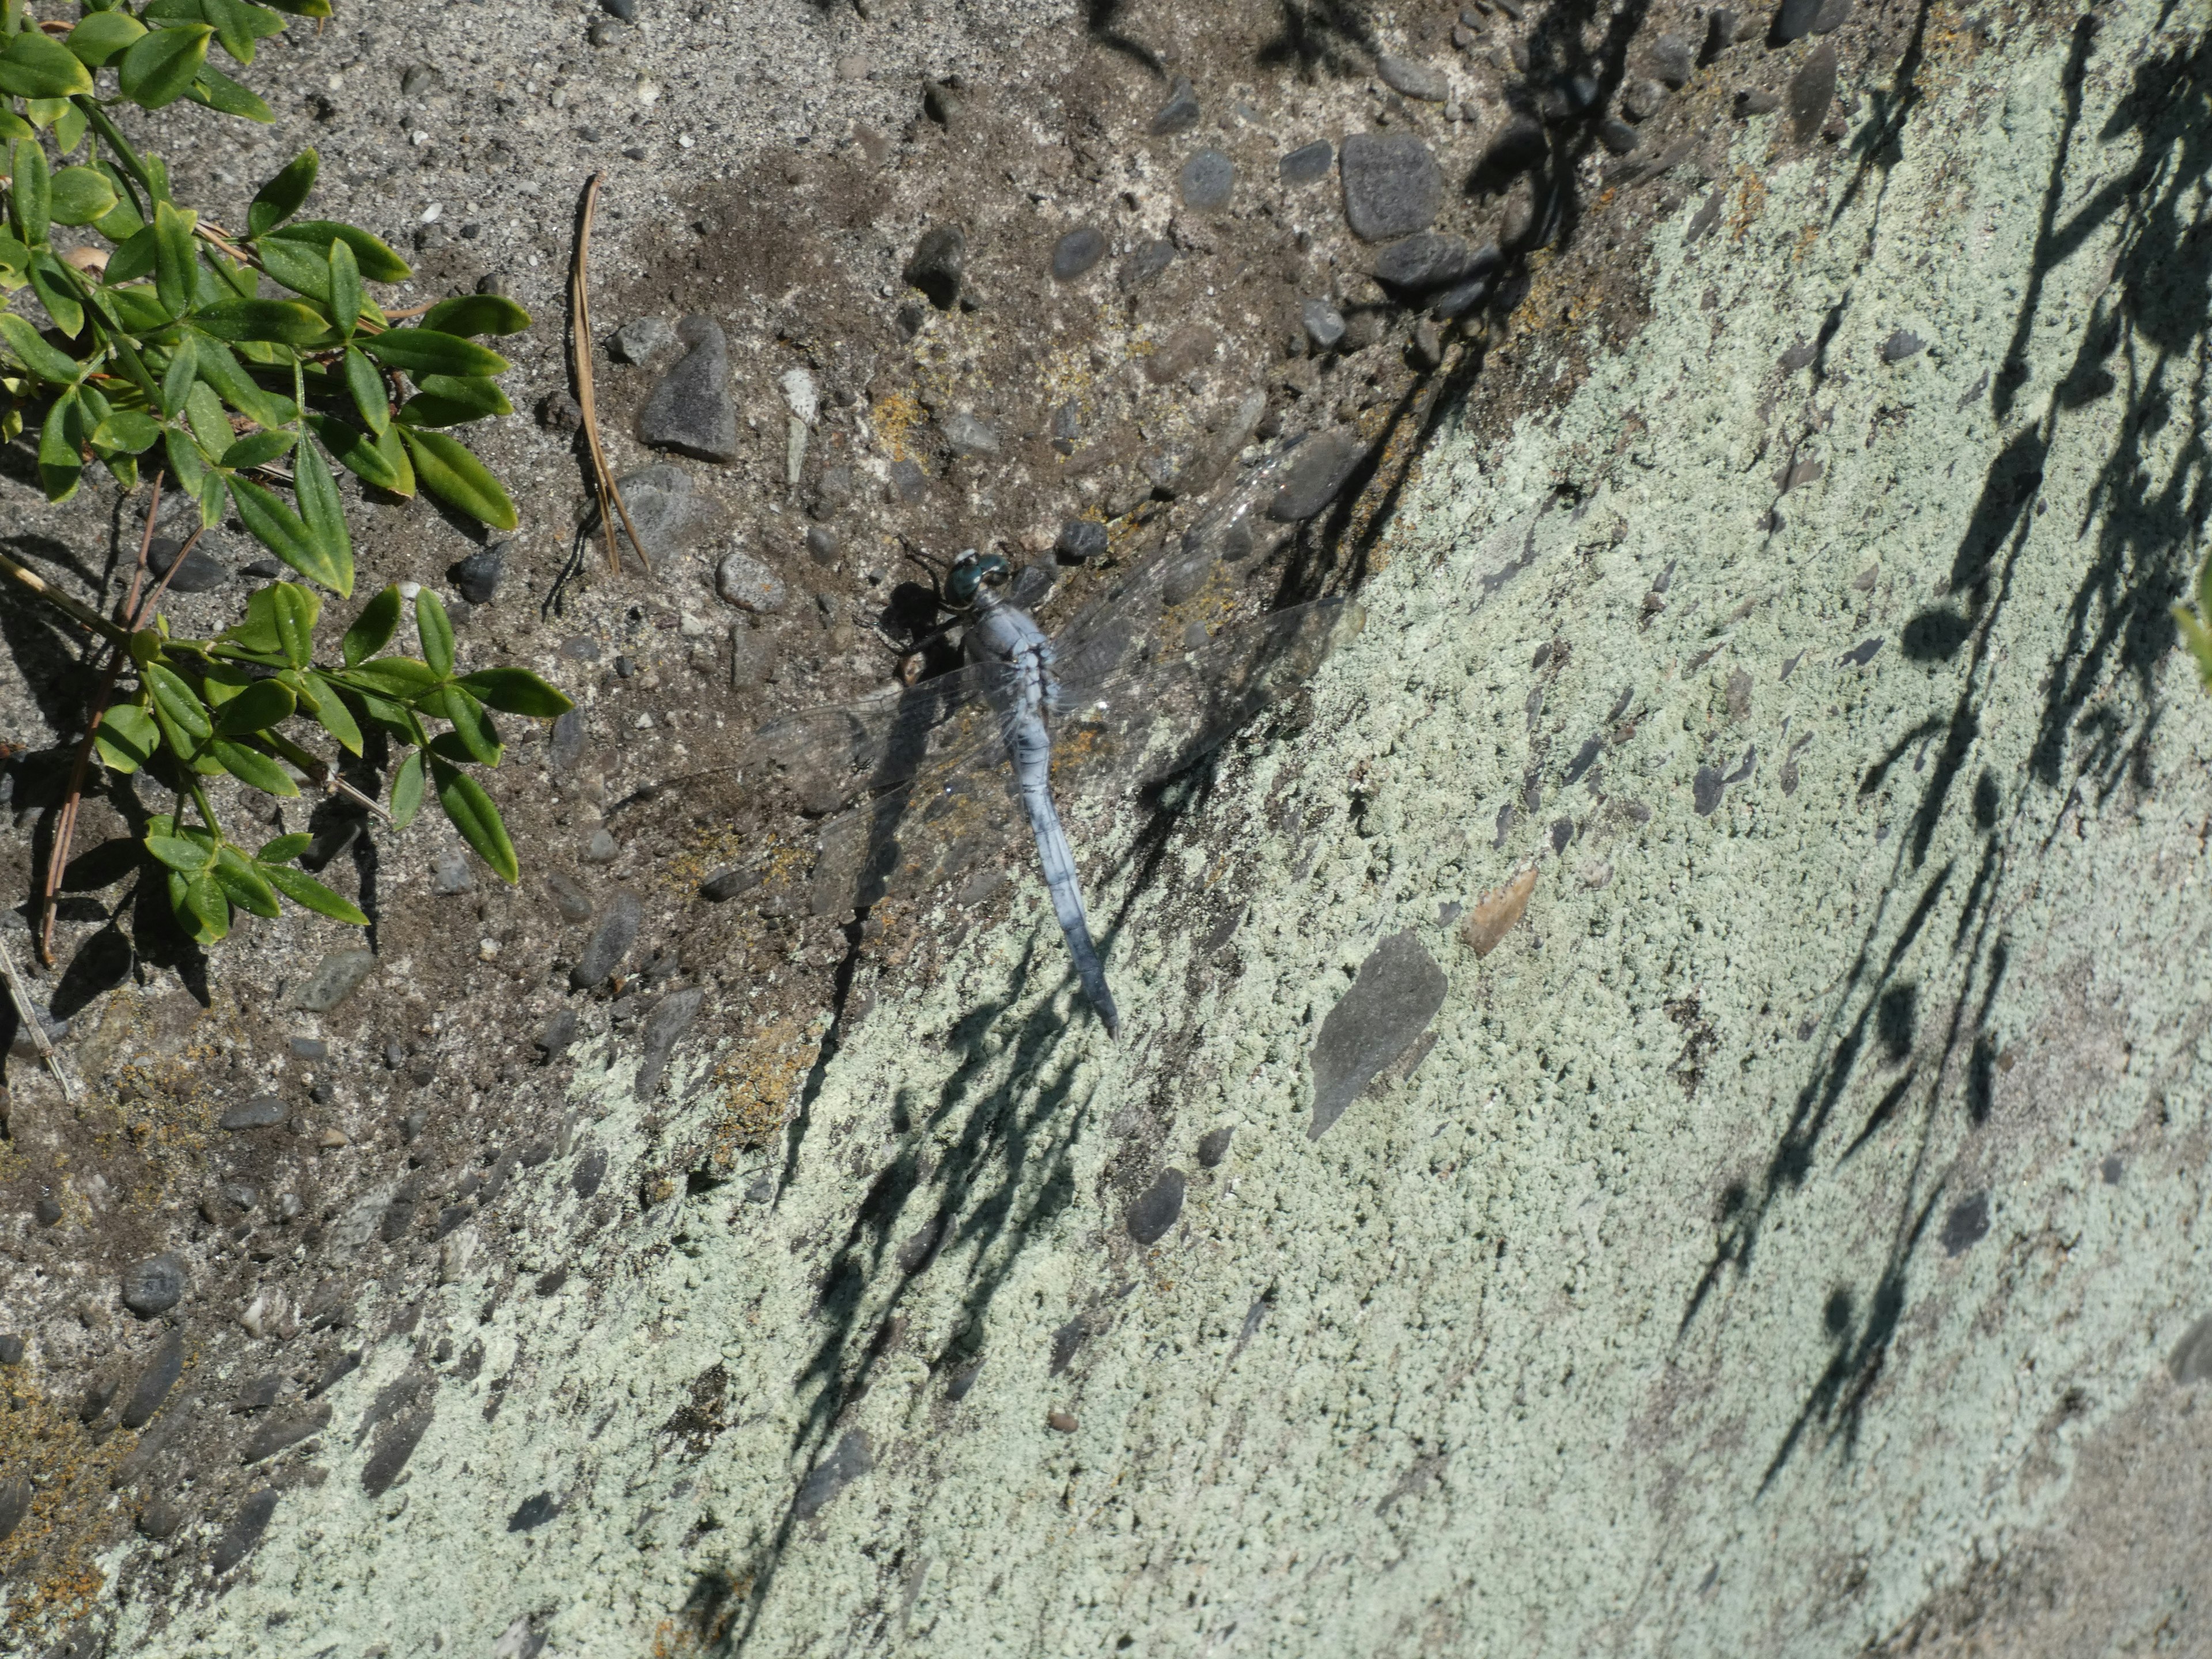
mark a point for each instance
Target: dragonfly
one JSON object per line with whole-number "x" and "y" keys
{"x": 915, "y": 785}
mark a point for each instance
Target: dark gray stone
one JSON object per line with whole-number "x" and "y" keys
{"x": 728, "y": 883}
{"x": 664, "y": 1028}
{"x": 475, "y": 578}
{"x": 1316, "y": 470}
{"x": 1520, "y": 144}
{"x": 1967, "y": 1224}
{"x": 1308, "y": 164}
{"x": 11, "y": 1349}
{"x": 574, "y": 903}
{"x": 852, "y": 1459}
{"x": 1147, "y": 263}
{"x": 909, "y": 482}
{"x": 566, "y": 745}
{"x": 201, "y": 572}
{"x": 591, "y": 1170}
{"x": 1208, "y": 180}
{"x": 1397, "y": 993}
{"x": 97, "y": 1399}
{"x": 1721, "y": 26}
{"x": 626, "y": 10}
{"x": 308, "y": 1048}
{"x": 533, "y": 1512}
{"x": 559, "y": 412}
{"x": 160, "y": 1519}
{"x": 556, "y": 1034}
{"x": 938, "y": 264}
{"x": 1430, "y": 260}
{"x": 968, "y": 434}
{"x": 1080, "y": 540}
{"x": 1812, "y": 90}
{"x": 609, "y": 942}
{"x": 1077, "y": 253}
{"x": 1414, "y": 77}
{"x": 1902, "y": 344}
{"x": 15, "y": 1505}
{"x": 1793, "y": 20}
{"x": 1158, "y": 1210}
{"x": 1756, "y": 101}
{"x": 2191, "y": 1362}
{"x": 1617, "y": 135}
{"x": 1458, "y": 300}
{"x": 337, "y": 977}
{"x": 1831, "y": 16}
{"x": 691, "y": 410}
{"x": 279, "y": 1433}
{"x": 1324, "y": 325}
{"x": 245, "y": 1530}
{"x": 641, "y": 340}
{"x": 154, "y": 1286}
{"x": 1672, "y": 59}
{"x": 1213, "y": 1146}
{"x": 449, "y": 873}
{"x": 168, "y": 1365}
{"x": 1641, "y": 99}
{"x": 48, "y": 1210}
{"x": 262, "y": 1112}
{"x": 1179, "y": 113}
{"x": 395, "y": 1444}
{"x": 1392, "y": 185}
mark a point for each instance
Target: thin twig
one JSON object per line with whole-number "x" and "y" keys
{"x": 579, "y": 356}
{"x": 26, "y": 1012}
{"x": 81, "y": 613}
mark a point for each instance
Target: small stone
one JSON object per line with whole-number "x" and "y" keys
{"x": 11, "y": 1349}
{"x": 1213, "y": 1146}
{"x": 97, "y": 1399}
{"x": 940, "y": 103}
{"x": 851, "y": 66}
{"x": 262, "y": 1112}
{"x": 1642, "y": 100}
{"x": 1671, "y": 60}
{"x": 1431, "y": 261}
{"x": 566, "y": 745}
{"x": 251, "y": 1519}
{"x": 1147, "y": 263}
{"x": 602, "y": 848}
{"x": 749, "y": 585}
{"x": 1307, "y": 164}
{"x": 966, "y": 435}
{"x": 664, "y": 1028}
{"x": 154, "y": 1286}
{"x": 475, "y": 578}
{"x": 1080, "y": 540}
{"x": 1427, "y": 350}
{"x": 1793, "y": 20}
{"x": 160, "y": 1519}
{"x": 726, "y": 884}
{"x": 642, "y": 340}
{"x": 822, "y": 544}
{"x": 1179, "y": 113}
{"x": 557, "y": 411}
{"x": 691, "y": 410}
{"x": 1392, "y": 185}
{"x": 449, "y": 873}
{"x": 1831, "y": 16}
{"x": 1397, "y": 993}
{"x": 909, "y": 482}
{"x": 591, "y": 1170}
{"x": 160, "y": 1377}
{"x": 624, "y": 10}
{"x": 609, "y": 942}
{"x": 1324, "y": 324}
{"x": 1061, "y": 1422}
{"x": 937, "y": 265}
{"x": 1077, "y": 253}
{"x": 1158, "y": 1209}
{"x": 1756, "y": 101}
{"x": 556, "y": 1034}
{"x": 834, "y": 490}
{"x": 1721, "y": 26}
{"x": 1316, "y": 470}
{"x": 337, "y": 977}
{"x": 1812, "y": 90}
{"x": 1902, "y": 344}
{"x": 853, "y": 1458}
{"x": 802, "y": 394}
{"x": 15, "y": 1505}
{"x": 199, "y": 574}
{"x": 47, "y": 1211}
{"x": 1414, "y": 77}
{"x": 1493, "y": 915}
{"x": 1206, "y": 181}
{"x": 1617, "y": 135}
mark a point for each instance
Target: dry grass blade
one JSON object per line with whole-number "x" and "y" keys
{"x": 579, "y": 359}
{"x": 29, "y": 1014}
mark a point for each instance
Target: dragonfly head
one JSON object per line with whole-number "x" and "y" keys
{"x": 971, "y": 573}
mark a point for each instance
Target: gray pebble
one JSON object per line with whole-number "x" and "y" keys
{"x": 625, "y": 9}
{"x": 642, "y": 340}
{"x": 1397, "y": 993}
{"x": 97, "y": 1399}
{"x": 1414, "y": 77}
{"x": 1430, "y": 260}
{"x": 1158, "y": 1210}
{"x": 47, "y": 1211}
{"x": 1756, "y": 101}
{"x": 1213, "y": 1146}
{"x": 909, "y": 482}
{"x": 591, "y": 1170}
{"x": 666, "y": 513}
{"x": 852, "y": 1459}
{"x": 1179, "y": 113}
{"x": 1077, "y": 253}
{"x": 1147, "y": 263}
{"x": 395, "y": 1444}
{"x": 749, "y": 585}
{"x": 1671, "y": 60}
{"x": 15, "y": 1505}
{"x": 1316, "y": 470}
{"x": 251, "y": 1520}
{"x": 1307, "y": 164}
{"x": 11, "y": 1349}
{"x": 607, "y": 31}
{"x": 557, "y": 1033}
{"x": 1426, "y": 348}
{"x": 1617, "y": 135}
{"x": 1392, "y": 185}
{"x": 475, "y": 578}
{"x": 1721, "y": 25}
{"x": 262, "y": 1112}
{"x": 833, "y": 490}
{"x": 449, "y": 873}
{"x": 664, "y": 1028}
{"x": 1812, "y": 90}
{"x": 1208, "y": 180}
{"x": 1967, "y": 1224}
{"x": 566, "y": 745}
{"x": 726, "y": 884}
{"x": 602, "y": 848}
{"x": 967, "y": 435}
{"x": 160, "y": 1519}
{"x": 572, "y": 901}
{"x": 200, "y": 573}
{"x": 822, "y": 543}
{"x": 1793, "y": 20}
{"x": 1902, "y": 344}
{"x": 239, "y": 1194}
{"x": 692, "y": 410}
{"x": 533, "y": 1511}
{"x": 160, "y": 1376}
{"x": 154, "y": 1286}
{"x": 939, "y": 102}
{"x": 559, "y": 412}
{"x": 1080, "y": 540}
{"x": 1831, "y": 16}
{"x": 308, "y": 1048}
{"x": 938, "y": 264}
{"x": 609, "y": 942}
{"x": 1642, "y": 101}
{"x": 1324, "y": 325}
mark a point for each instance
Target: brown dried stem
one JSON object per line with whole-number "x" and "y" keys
{"x": 579, "y": 359}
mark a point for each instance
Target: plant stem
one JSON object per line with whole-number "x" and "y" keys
{"x": 77, "y": 611}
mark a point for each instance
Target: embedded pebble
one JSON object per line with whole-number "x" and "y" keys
{"x": 11, "y": 1349}
{"x": 1081, "y": 539}
{"x": 15, "y": 1505}
{"x": 245, "y": 1530}
{"x": 1208, "y": 180}
{"x": 475, "y": 578}
{"x": 642, "y": 340}
{"x": 1671, "y": 60}
{"x": 802, "y": 395}
{"x": 47, "y": 1211}
{"x": 1414, "y": 78}
{"x": 154, "y": 1286}
{"x": 160, "y": 1519}
{"x": 1642, "y": 101}
{"x": 556, "y": 1034}
{"x": 853, "y": 1458}
{"x": 281, "y": 1433}
{"x": 1307, "y": 164}
{"x": 1831, "y": 16}
{"x": 200, "y": 573}
{"x": 160, "y": 1376}
{"x": 1966, "y": 1224}
{"x": 1457, "y": 300}
{"x": 1812, "y": 90}
{"x": 262, "y": 1112}
{"x": 1902, "y": 344}
{"x": 664, "y": 1028}
{"x": 566, "y": 745}
{"x": 1430, "y": 260}
{"x": 1324, "y": 325}
{"x": 572, "y": 903}
{"x": 1159, "y": 1209}
{"x": 602, "y": 848}
{"x": 1618, "y": 136}
{"x": 1316, "y": 472}
{"x": 749, "y": 585}
{"x": 1756, "y": 101}
{"x": 1392, "y": 185}
{"x": 1147, "y": 263}
{"x": 591, "y": 1170}
{"x": 1721, "y": 26}
{"x": 1793, "y": 20}
{"x": 966, "y": 435}
{"x": 937, "y": 265}
{"x": 449, "y": 873}
{"x": 609, "y": 942}
{"x": 1397, "y": 993}
{"x": 728, "y": 883}
{"x": 1213, "y": 1146}
{"x": 395, "y": 1444}
{"x": 1493, "y": 915}
{"x": 692, "y": 410}
{"x": 1077, "y": 253}
{"x": 1061, "y": 1422}
{"x": 1179, "y": 113}
{"x": 822, "y": 543}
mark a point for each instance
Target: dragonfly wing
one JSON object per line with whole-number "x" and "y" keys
{"x": 877, "y": 744}
{"x": 931, "y": 829}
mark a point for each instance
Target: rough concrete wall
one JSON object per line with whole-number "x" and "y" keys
{"x": 1787, "y": 1245}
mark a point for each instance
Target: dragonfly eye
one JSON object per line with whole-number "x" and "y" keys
{"x": 972, "y": 572}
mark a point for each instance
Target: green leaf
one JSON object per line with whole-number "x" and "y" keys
{"x": 177, "y": 380}
{"x": 258, "y": 632}
{"x": 211, "y": 424}
{"x": 220, "y": 370}
{"x": 30, "y": 190}
{"x": 55, "y": 293}
{"x": 239, "y": 25}
{"x": 80, "y": 195}
{"x": 405, "y": 679}
{"x": 243, "y": 884}
{"x": 69, "y": 130}
{"x": 128, "y": 431}
{"x": 309, "y": 894}
{"x": 185, "y": 465}
{"x": 136, "y": 309}
{"x": 367, "y": 385}
{"x": 201, "y": 907}
{"x": 126, "y": 738}
{"x": 279, "y": 529}
{"x": 473, "y": 814}
{"x": 364, "y": 456}
{"x": 214, "y": 496}
{"x": 256, "y": 449}
{"x": 132, "y": 260}
{"x": 457, "y": 478}
{"x": 215, "y": 90}
{"x": 261, "y": 705}
{"x": 60, "y": 465}
{"x": 407, "y": 790}
{"x": 283, "y": 196}
{"x": 379, "y": 263}
{"x": 303, "y": 8}
{"x": 186, "y": 857}
{"x": 451, "y": 399}
{"x": 336, "y": 718}
{"x": 13, "y": 126}
{"x": 286, "y": 322}
{"x": 345, "y": 287}
{"x": 177, "y": 703}
{"x": 472, "y": 728}
{"x": 425, "y": 351}
{"x": 251, "y": 766}
{"x": 101, "y": 35}
{"x": 14, "y": 256}
{"x": 372, "y": 629}
{"x": 159, "y": 69}
{"x": 283, "y": 849}
{"x": 435, "y": 629}
{"x": 325, "y": 516}
{"x": 298, "y": 267}
{"x": 477, "y": 313}
{"x": 36, "y": 65}
{"x": 516, "y": 691}
{"x": 31, "y": 349}
{"x": 2204, "y": 588}
{"x": 176, "y": 256}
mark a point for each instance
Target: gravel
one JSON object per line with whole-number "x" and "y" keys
{"x": 1324, "y": 325}
{"x": 475, "y": 578}
{"x": 1179, "y": 113}
{"x": 1075, "y": 253}
{"x": 642, "y": 340}
{"x": 1147, "y": 263}
{"x": 1207, "y": 181}
{"x": 692, "y": 410}
{"x": 262, "y": 1112}
{"x": 1307, "y": 164}
{"x": 1316, "y": 470}
{"x": 609, "y": 942}
{"x": 337, "y": 977}
{"x": 937, "y": 265}
{"x": 1159, "y": 1209}
{"x": 1392, "y": 185}
{"x": 1812, "y": 90}
{"x": 154, "y": 1286}
{"x": 154, "y": 1386}
{"x": 1432, "y": 260}
{"x": 201, "y": 572}
{"x": 1414, "y": 77}
{"x": 1080, "y": 540}
{"x": 749, "y": 584}
{"x": 664, "y": 1028}
{"x": 967, "y": 435}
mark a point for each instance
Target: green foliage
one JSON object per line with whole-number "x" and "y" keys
{"x": 2197, "y": 628}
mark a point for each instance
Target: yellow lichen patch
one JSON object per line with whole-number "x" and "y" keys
{"x": 759, "y": 1081}
{"x": 1751, "y": 204}
{"x": 49, "y": 1560}
{"x": 896, "y": 416}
